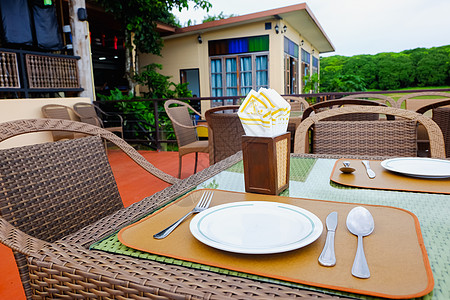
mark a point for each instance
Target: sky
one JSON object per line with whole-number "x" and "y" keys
{"x": 357, "y": 26}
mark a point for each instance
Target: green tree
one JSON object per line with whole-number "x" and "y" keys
{"x": 363, "y": 66}
{"x": 394, "y": 71}
{"x": 433, "y": 69}
{"x": 343, "y": 83}
{"x": 159, "y": 86}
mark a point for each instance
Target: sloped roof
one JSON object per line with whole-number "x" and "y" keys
{"x": 299, "y": 16}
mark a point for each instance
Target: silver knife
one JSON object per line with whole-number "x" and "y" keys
{"x": 327, "y": 257}
{"x": 369, "y": 171}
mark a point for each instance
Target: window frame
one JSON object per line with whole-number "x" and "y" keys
{"x": 237, "y": 56}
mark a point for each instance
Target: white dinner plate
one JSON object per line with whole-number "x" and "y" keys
{"x": 418, "y": 167}
{"x": 256, "y": 227}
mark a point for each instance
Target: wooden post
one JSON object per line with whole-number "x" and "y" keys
{"x": 82, "y": 48}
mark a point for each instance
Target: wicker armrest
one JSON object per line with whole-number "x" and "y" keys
{"x": 18, "y": 240}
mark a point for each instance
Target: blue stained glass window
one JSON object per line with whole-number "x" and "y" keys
{"x": 238, "y": 46}
{"x": 315, "y": 62}
{"x": 290, "y": 47}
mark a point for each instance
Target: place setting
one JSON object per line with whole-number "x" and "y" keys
{"x": 414, "y": 174}
{"x": 331, "y": 245}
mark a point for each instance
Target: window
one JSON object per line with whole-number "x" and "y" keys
{"x": 315, "y": 65}
{"x": 240, "y": 74}
{"x": 290, "y": 66}
{"x": 306, "y": 62}
{"x": 237, "y": 66}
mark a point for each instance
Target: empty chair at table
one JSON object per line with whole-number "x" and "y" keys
{"x": 89, "y": 113}
{"x": 63, "y": 112}
{"x": 441, "y": 115}
{"x": 369, "y": 138}
{"x": 225, "y": 132}
{"x": 332, "y": 104}
{"x": 373, "y": 97}
{"x": 185, "y": 131}
{"x": 51, "y": 190}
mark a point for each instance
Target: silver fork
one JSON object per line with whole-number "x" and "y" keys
{"x": 203, "y": 204}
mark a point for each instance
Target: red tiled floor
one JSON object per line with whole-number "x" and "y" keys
{"x": 133, "y": 182}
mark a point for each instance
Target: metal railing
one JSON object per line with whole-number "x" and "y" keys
{"x": 152, "y": 132}
{"x": 25, "y": 72}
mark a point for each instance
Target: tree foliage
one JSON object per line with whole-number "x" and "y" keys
{"x": 140, "y": 17}
{"x": 386, "y": 71}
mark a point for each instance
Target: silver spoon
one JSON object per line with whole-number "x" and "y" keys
{"x": 346, "y": 168}
{"x": 360, "y": 223}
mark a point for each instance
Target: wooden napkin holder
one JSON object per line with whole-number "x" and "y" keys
{"x": 266, "y": 163}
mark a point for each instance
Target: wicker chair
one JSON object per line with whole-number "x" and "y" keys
{"x": 89, "y": 113}
{"x": 185, "y": 132}
{"x": 437, "y": 97}
{"x": 63, "y": 112}
{"x": 373, "y": 138}
{"x": 441, "y": 115}
{"x": 224, "y": 132}
{"x": 297, "y": 103}
{"x": 418, "y": 102}
{"x": 331, "y": 104}
{"x": 52, "y": 190}
{"x": 377, "y": 97}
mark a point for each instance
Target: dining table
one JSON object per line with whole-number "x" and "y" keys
{"x": 407, "y": 252}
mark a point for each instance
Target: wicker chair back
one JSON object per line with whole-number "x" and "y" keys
{"x": 363, "y": 137}
{"x": 225, "y": 132}
{"x": 52, "y": 190}
{"x": 441, "y": 115}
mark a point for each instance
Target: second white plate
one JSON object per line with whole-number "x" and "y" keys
{"x": 418, "y": 166}
{"x": 256, "y": 227}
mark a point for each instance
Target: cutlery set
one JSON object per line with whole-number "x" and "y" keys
{"x": 360, "y": 223}
{"x": 347, "y": 169}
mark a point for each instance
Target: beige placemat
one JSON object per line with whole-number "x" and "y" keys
{"x": 395, "y": 252}
{"x": 386, "y": 180}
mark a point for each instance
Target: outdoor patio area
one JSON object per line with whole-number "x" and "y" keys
{"x": 132, "y": 188}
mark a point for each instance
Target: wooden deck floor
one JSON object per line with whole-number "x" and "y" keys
{"x": 134, "y": 184}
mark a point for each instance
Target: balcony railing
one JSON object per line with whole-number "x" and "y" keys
{"x": 152, "y": 132}
{"x": 35, "y": 72}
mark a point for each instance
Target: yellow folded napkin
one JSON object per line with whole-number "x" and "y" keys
{"x": 264, "y": 113}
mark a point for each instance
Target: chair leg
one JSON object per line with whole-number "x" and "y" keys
{"x": 196, "y": 160}
{"x": 179, "y": 166}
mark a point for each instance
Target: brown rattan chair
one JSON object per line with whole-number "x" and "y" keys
{"x": 376, "y": 97}
{"x": 426, "y": 98}
{"x": 185, "y": 131}
{"x": 420, "y": 101}
{"x": 332, "y": 104}
{"x": 52, "y": 190}
{"x": 441, "y": 115}
{"x": 63, "y": 112}
{"x": 224, "y": 132}
{"x": 372, "y": 138}
{"x": 297, "y": 103}
{"x": 89, "y": 113}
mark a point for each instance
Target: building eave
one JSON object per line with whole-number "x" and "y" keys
{"x": 298, "y": 16}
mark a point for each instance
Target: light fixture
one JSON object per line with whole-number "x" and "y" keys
{"x": 199, "y": 39}
{"x": 284, "y": 28}
{"x": 277, "y": 29}
{"x": 313, "y": 51}
{"x": 302, "y": 42}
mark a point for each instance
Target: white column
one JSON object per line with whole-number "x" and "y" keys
{"x": 82, "y": 48}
